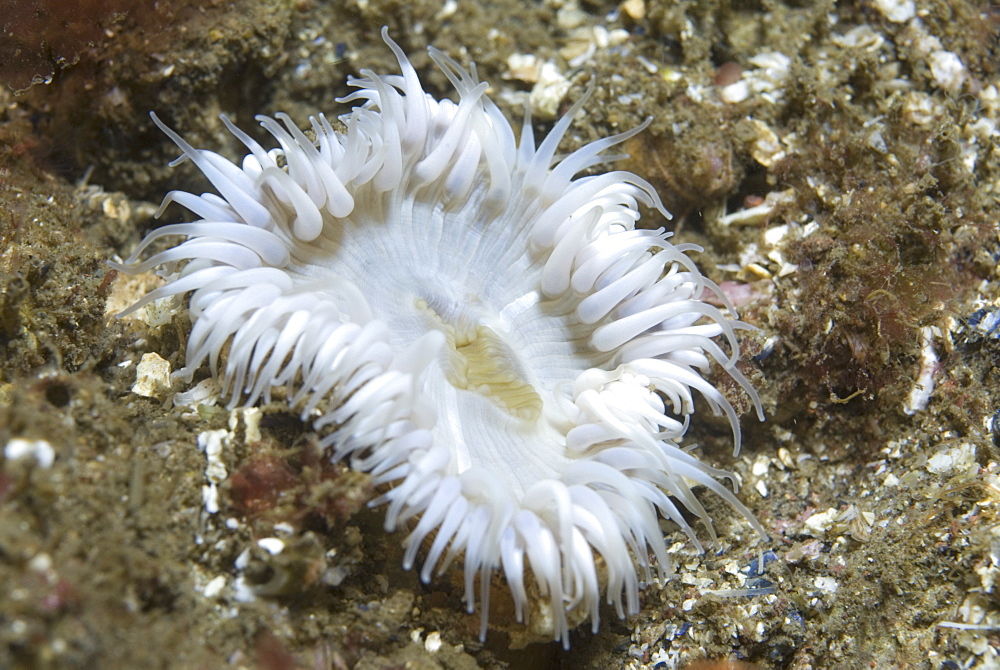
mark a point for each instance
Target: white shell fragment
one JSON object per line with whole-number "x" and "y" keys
{"x": 39, "y": 450}
{"x": 952, "y": 460}
{"x": 152, "y": 376}
{"x": 897, "y": 11}
{"x": 212, "y": 442}
{"x": 920, "y": 394}
{"x": 551, "y": 86}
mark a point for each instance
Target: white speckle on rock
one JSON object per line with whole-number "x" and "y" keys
{"x": 152, "y": 376}
{"x": 251, "y": 420}
{"x": 20, "y": 448}
{"x": 947, "y": 69}
{"x": 897, "y": 11}
{"x": 821, "y": 522}
{"x": 861, "y": 37}
{"x": 948, "y": 461}
{"x": 210, "y": 498}
{"x": 766, "y": 148}
{"x": 211, "y": 442}
{"x": 920, "y": 394}
{"x": 214, "y": 587}
{"x": 920, "y": 109}
{"x": 523, "y": 67}
{"x": 634, "y": 9}
{"x": 549, "y": 91}
{"x": 736, "y": 92}
{"x": 760, "y": 465}
{"x": 826, "y": 584}
{"x": 433, "y": 642}
{"x": 284, "y": 527}
{"x": 271, "y": 545}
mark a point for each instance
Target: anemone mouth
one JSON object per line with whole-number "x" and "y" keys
{"x": 487, "y": 332}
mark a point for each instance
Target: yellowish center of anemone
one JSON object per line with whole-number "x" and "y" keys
{"x": 477, "y": 359}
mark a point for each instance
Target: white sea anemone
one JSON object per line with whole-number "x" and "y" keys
{"x": 486, "y": 333}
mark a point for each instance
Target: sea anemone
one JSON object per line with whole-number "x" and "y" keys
{"x": 465, "y": 318}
